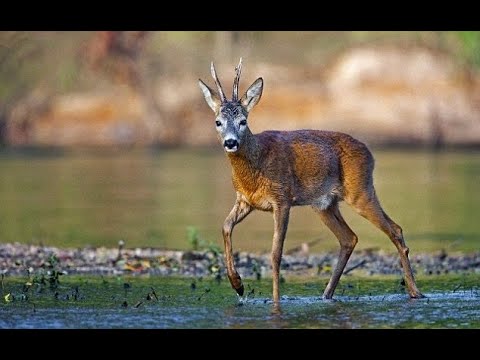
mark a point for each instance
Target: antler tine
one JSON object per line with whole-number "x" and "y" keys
{"x": 217, "y": 82}
{"x": 238, "y": 70}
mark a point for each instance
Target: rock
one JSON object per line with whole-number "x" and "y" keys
{"x": 197, "y": 263}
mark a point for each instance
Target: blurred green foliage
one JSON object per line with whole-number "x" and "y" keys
{"x": 199, "y": 244}
{"x": 29, "y": 60}
{"x": 470, "y": 41}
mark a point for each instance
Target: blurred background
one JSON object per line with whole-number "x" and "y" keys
{"x": 105, "y": 135}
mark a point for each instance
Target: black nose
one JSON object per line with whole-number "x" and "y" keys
{"x": 230, "y": 143}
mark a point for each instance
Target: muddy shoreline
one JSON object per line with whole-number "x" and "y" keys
{"x": 21, "y": 259}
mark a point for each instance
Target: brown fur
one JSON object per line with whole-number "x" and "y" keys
{"x": 275, "y": 170}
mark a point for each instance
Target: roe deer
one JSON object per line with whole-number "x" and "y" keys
{"x": 275, "y": 170}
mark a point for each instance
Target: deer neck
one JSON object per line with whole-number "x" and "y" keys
{"x": 245, "y": 162}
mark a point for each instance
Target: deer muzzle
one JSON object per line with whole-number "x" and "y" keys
{"x": 230, "y": 145}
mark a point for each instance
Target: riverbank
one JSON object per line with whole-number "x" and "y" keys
{"x": 20, "y": 259}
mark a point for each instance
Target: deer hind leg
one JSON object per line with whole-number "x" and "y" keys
{"x": 347, "y": 238}
{"x": 369, "y": 207}
{"x": 240, "y": 210}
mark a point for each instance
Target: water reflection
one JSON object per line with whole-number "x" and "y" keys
{"x": 149, "y": 198}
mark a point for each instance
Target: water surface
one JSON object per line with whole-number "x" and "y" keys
{"x": 150, "y": 197}
{"x": 453, "y": 301}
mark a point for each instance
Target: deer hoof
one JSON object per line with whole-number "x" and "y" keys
{"x": 240, "y": 290}
{"x": 417, "y": 295}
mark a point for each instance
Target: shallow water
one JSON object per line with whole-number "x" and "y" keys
{"x": 460, "y": 310}
{"x": 150, "y": 197}
{"x": 452, "y": 302}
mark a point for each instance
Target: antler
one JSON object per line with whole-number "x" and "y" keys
{"x": 238, "y": 70}
{"x": 217, "y": 82}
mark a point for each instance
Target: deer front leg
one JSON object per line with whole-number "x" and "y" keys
{"x": 280, "y": 220}
{"x": 240, "y": 210}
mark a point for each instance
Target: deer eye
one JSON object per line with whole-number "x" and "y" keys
{"x": 243, "y": 122}
{"x": 218, "y": 123}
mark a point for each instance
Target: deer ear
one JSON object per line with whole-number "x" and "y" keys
{"x": 212, "y": 98}
{"x": 253, "y": 95}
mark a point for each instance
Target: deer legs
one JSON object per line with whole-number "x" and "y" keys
{"x": 240, "y": 210}
{"x": 347, "y": 238}
{"x": 369, "y": 208}
{"x": 280, "y": 220}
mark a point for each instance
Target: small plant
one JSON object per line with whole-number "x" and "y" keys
{"x": 199, "y": 244}
{"x": 212, "y": 251}
{"x": 256, "y": 269}
{"x": 251, "y": 291}
{"x": 126, "y": 288}
{"x": 193, "y": 238}
{"x": 48, "y": 273}
{"x": 207, "y": 290}
{"x": 3, "y": 286}
{"x": 152, "y": 295}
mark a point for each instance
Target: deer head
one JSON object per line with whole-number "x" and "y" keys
{"x": 231, "y": 115}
